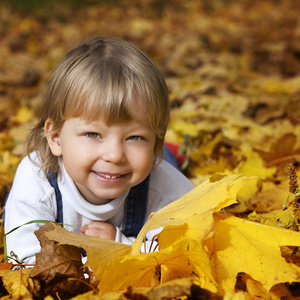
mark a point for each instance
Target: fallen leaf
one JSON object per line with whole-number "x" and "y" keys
{"x": 100, "y": 253}
{"x": 185, "y": 258}
{"x": 56, "y": 265}
{"x": 212, "y": 195}
{"x": 241, "y": 246}
{"x": 19, "y": 285}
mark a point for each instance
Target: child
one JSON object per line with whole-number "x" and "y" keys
{"x": 94, "y": 156}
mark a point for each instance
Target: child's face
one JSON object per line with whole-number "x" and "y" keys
{"x": 104, "y": 161}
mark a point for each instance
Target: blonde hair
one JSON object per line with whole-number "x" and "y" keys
{"x": 103, "y": 77}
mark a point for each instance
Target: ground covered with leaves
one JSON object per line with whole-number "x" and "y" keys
{"x": 233, "y": 71}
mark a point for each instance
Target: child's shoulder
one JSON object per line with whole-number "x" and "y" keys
{"x": 28, "y": 168}
{"x": 167, "y": 184}
{"x": 165, "y": 176}
{"x": 28, "y": 162}
{"x": 30, "y": 182}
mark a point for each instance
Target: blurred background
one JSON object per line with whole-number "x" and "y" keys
{"x": 232, "y": 68}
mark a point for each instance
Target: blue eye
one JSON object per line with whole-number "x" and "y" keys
{"x": 92, "y": 135}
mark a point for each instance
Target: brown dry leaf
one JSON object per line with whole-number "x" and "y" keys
{"x": 58, "y": 267}
{"x": 100, "y": 253}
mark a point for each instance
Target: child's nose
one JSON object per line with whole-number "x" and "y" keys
{"x": 113, "y": 152}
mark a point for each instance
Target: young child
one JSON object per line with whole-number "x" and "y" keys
{"x": 94, "y": 156}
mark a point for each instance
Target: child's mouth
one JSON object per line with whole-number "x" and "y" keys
{"x": 108, "y": 176}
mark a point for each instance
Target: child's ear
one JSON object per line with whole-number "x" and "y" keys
{"x": 52, "y": 138}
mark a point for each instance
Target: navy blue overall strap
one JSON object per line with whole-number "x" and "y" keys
{"x": 52, "y": 178}
{"x": 135, "y": 208}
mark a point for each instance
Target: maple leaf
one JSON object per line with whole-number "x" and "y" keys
{"x": 185, "y": 258}
{"x": 241, "y": 246}
{"x": 56, "y": 264}
{"x": 212, "y": 195}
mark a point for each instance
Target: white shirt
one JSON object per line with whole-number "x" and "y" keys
{"x": 33, "y": 198}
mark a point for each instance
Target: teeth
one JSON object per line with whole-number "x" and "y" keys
{"x": 110, "y": 176}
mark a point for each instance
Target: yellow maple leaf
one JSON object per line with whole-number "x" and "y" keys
{"x": 212, "y": 195}
{"x": 185, "y": 258}
{"x": 241, "y": 246}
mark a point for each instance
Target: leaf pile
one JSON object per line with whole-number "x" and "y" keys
{"x": 233, "y": 70}
{"x": 202, "y": 253}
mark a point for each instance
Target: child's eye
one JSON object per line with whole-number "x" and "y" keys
{"x": 135, "y": 138}
{"x": 92, "y": 135}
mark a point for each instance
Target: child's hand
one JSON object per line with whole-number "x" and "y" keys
{"x": 99, "y": 229}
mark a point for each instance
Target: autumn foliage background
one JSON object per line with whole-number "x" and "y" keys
{"x": 232, "y": 68}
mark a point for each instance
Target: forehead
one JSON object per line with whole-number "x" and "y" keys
{"x": 110, "y": 112}
{"x": 81, "y": 124}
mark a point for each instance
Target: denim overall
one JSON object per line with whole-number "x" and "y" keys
{"x": 135, "y": 203}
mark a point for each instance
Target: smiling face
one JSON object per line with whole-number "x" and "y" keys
{"x": 103, "y": 161}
